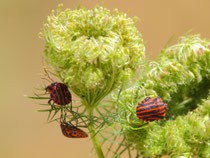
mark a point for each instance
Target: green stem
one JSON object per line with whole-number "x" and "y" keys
{"x": 93, "y": 134}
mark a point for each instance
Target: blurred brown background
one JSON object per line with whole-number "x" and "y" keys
{"x": 24, "y": 132}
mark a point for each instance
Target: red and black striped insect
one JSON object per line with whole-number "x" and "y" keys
{"x": 59, "y": 93}
{"x": 151, "y": 109}
{"x": 72, "y": 131}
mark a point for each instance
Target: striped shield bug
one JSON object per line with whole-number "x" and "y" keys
{"x": 59, "y": 93}
{"x": 151, "y": 109}
{"x": 72, "y": 131}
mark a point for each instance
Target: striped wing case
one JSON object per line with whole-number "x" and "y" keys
{"x": 59, "y": 93}
{"x": 151, "y": 109}
{"x": 71, "y": 131}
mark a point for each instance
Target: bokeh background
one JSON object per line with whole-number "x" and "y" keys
{"x": 24, "y": 132}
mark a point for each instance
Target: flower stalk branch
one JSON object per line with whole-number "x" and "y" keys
{"x": 93, "y": 135}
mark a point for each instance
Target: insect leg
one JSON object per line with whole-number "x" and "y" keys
{"x": 65, "y": 115}
{"x": 77, "y": 119}
{"x": 49, "y": 102}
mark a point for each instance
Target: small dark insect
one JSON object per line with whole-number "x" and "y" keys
{"x": 59, "y": 93}
{"x": 72, "y": 131}
{"x": 151, "y": 109}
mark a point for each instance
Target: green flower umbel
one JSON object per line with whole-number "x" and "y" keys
{"x": 92, "y": 51}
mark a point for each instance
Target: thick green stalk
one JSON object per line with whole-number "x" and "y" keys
{"x": 93, "y": 134}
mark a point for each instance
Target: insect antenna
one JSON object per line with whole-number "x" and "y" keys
{"x": 46, "y": 72}
{"x": 46, "y": 79}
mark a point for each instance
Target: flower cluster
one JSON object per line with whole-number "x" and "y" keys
{"x": 180, "y": 76}
{"x": 92, "y": 51}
